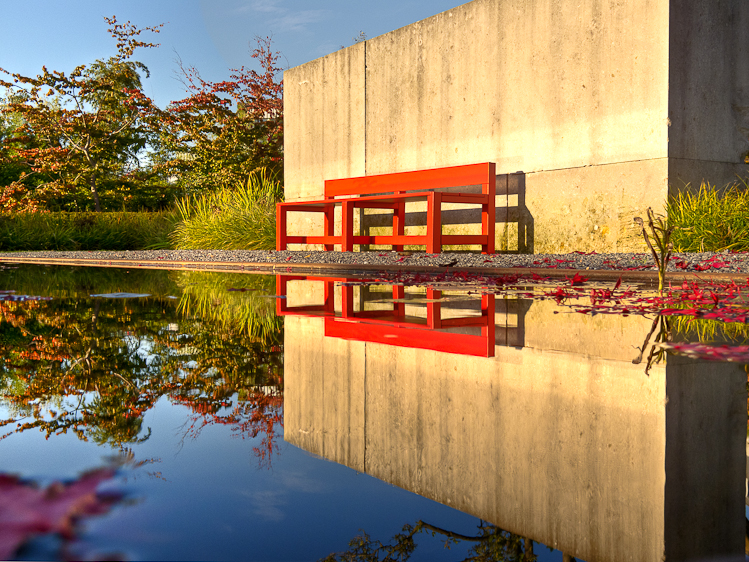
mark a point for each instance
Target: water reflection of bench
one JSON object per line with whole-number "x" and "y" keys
{"x": 393, "y": 326}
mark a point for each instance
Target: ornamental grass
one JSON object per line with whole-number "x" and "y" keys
{"x": 711, "y": 220}
{"x": 242, "y": 218}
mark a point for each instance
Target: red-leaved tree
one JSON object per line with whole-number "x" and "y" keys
{"x": 76, "y": 131}
{"x": 224, "y": 131}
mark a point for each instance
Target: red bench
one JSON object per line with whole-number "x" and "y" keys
{"x": 391, "y": 191}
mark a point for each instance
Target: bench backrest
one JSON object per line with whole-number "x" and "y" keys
{"x": 421, "y": 180}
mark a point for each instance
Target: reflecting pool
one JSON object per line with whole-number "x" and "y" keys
{"x": 225, "y": 416}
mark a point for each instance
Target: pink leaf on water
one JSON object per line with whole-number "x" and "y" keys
{"x": 27, "y": 510}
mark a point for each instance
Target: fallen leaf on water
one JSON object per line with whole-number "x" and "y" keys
{"x": 27, "y": 510}
{"x": 578, "y": 279}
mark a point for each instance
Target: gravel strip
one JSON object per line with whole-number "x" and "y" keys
{"x": 706, "y": 262}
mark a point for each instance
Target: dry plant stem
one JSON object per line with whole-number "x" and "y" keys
{"x": 664, "y": 244}
{"x": 639, "y": 221}
{"x": 656, "y": 353}
{"x": 638, "y": 359}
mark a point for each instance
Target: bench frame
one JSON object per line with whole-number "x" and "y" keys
{"x": 394, "y": 327}
{"x": 391, "y": 191}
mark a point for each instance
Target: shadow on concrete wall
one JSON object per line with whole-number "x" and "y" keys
{"x": 517, "y": 219}
{"x": 514, "y": 222}
{"x": 512, "y": 312}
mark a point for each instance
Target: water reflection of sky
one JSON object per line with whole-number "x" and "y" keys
{"x": 206, "y": 499}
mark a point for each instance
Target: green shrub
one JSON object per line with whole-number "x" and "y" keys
{"x": 86, "y": 231}
{"x": 711, "y": 220}
{"x": 243, "y": 218}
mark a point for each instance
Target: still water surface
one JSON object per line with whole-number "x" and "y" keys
{"x": 241, "y": 417}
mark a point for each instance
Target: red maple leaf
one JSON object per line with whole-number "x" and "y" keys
{"x": 578, "y": 279}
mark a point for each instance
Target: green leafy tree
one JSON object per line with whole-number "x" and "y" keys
{"x": 81, "y": 131}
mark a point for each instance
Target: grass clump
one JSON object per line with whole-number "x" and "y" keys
{"x": 243, "y": 218}
{"x": 711, "y": 220}
{"x": 86, "y": 231}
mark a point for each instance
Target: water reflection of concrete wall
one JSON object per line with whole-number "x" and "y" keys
{"x": 586, "y": 454}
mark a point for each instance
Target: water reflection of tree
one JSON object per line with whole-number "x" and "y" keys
{"x": 234, "y": 381}
{"x": 234, "y": 301}
{"x": 491, "y": 544}
{"x": 95, "y": 366}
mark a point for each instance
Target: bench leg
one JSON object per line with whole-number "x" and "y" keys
{"x": 399, "y": 293}
{"x": 281, "y": 292}
{"x": 488, "y": 331}
{"x": 280, "y": 228}
{"x": 399, "y": 223}
{"x": 434, "y": 309}
{"x": 329, "y": 225}
{"x": 434, "y": 223}
{"x": 347, "y": 226}
{"x": 488, "y": 222}
{"x": 347, "y": 301}
{"x": 329, "y": 305}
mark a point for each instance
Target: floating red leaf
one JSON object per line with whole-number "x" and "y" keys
{"x": 26, "y": 510}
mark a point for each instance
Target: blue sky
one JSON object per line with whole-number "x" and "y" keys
{"x": 212, "y": 35}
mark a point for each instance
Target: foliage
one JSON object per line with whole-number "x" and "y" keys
{"x": 224, "y": 131}
{"x": 86, "y": 231}
{"x": 79, "y": 132}
{"x": 243, "y": 218}
{"x": 81, "y": 282}
{"x": 690, "y": 328}
{"x": 92, "y": 140}
{"x": 12, "y": 168}
{"x": 711, "y": 220}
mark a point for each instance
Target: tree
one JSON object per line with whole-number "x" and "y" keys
{"x": 15, "y": 177}
{"x": 224, "y": 131}
{"x": 491, "y": 544}
{"x": 81, "y": 130}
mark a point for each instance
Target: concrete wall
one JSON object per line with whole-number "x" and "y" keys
{"x": 600, "y": 104}
{"x": 570, "y": 445}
